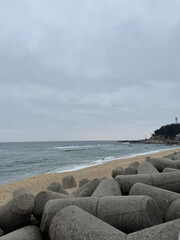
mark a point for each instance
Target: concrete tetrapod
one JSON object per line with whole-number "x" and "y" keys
{"x": 129, "y": 171}
{"x": 165, "y": 231}
{"x": 28, "y": 233}
{"x": 89, "y": 204}
{"x": 87, "y": 189}
{"x": 83, "y": 181}
{"x": 146, "y": 168}
{"x": 73, "y": 223}
{"x": 42, "y": 198}
{"x": 169, "y": 181}
{"x": 161, "y": 163}
{"x": 107, "y": 187}
{"x": 116, "y": 172}
{"x": 19, "y": 191}
{"x": 56, "y": 187}
{"x": 177, "y": 164}
{"x": 69, "y": 182}
{"x": 170, "y": 156}
{"x": 134, "y": 165}
{"x": 16, "y": 213}
{"x": 171, "y": 170}
{"x": 163, "y": 198}
{"x": 173, "y": 211}
{"x": 128, "y": 214}
{"x": 126, "y": 182}
{"x": 177, "y": 156}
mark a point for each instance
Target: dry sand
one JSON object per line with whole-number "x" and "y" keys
{"x": 38, "y": 183}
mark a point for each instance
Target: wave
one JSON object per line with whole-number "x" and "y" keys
{"x": 82, "y": 149}
{"x": 104, "y": 160}
{"x": 79, "y": 147}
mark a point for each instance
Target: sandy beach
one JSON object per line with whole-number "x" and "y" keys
{"x": 38, "y": 183}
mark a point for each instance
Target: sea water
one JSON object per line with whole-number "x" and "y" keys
{"x": 21, "y": 160}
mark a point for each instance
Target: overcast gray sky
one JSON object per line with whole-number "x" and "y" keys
{"x": 88, "y": 69}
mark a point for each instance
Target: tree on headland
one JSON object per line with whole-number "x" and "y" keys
{"x": 168, "y": 131}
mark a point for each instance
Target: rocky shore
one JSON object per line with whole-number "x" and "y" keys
{"x": 153, "y": 141}
{"x": 139, "y": 201}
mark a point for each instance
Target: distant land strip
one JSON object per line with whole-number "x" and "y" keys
{"x": 152, "y": 141}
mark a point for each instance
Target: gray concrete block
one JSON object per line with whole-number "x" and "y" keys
{"x": 163, "y": 198}
{"x": 171, "y": 170}
{"x": 134, "y": 165}
{"x": 177, "y": 156}
{"x": 86, "y": 192}
{"x": 165, "y": 231}
{"x": 129, "y": 171}
{"x": 73, "y": 223}
{"x": 169, "y": 181}
{"x": 42, "y": 198}
{"x": 83, "y": 181}
{"x": 127, "y": 181}
{"x": 173, "y": 212}
{"x": 25, "y": 233}
{"x": 170, "y": 156}
{"x": 129, "y": 213}
{"x": 107, "y": 187}
{"x": 116, "y": 172}
{"x": 146, "y": 168}
{"x": 161, "y": 163}
{"x": 56, "y": 187}
{"x": 177, "y": 162}
{"x": 119, "y": 167}
{"x": 68, "y": 182}
{"x": 87, "y": 189}
{"x": 19, "y": 191}
{"x": 16, "y": 213}
{"x": 88, "y": 204}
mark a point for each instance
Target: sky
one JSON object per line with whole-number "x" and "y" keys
{"x": 88, "y": 69}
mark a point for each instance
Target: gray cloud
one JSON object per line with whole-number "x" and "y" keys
{"x": 87, "y": 69}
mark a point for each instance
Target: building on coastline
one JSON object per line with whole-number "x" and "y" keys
{"x": 177, "y": 137}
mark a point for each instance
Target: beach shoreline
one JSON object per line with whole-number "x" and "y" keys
{"x": 40, "y": 182}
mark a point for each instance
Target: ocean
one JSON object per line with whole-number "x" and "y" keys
{"x": 24, "y": 159}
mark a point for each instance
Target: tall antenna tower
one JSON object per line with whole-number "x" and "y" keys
{"x": 176, "y": 119}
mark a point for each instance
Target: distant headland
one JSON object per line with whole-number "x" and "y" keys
{"x": 153, "y": 141}
{"x": 168, "y": 134}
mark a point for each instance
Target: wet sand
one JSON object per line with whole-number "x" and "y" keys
{"x": 38, "y": 183}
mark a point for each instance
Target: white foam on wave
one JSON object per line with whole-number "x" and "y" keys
{"x": 83, "y": 166}
{"x": 104, "y": 160}
{"x": 67, "y": 169}
{"x": 80, "y": 147}
{"x": 69, "y": 147}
